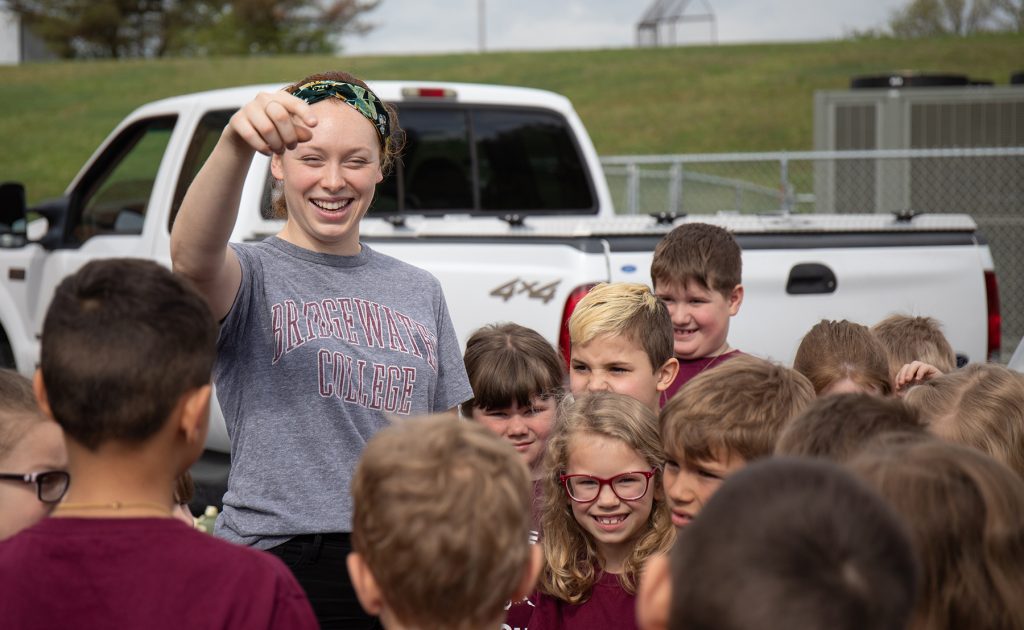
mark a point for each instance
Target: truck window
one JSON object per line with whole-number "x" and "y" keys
{"x": 485, "y": 160}
{"x": 207, "y": 133}
{"x": 527, "y": 161}
{"x": 114, "y": 194}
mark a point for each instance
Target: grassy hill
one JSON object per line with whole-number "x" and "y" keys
{"x": 670, "y": 100}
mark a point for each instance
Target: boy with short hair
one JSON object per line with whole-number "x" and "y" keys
{"x": 787, "y": 543}
{"x": 440, "y": 532}
{"x": 916, "y": 348}
{"x": 696, "y": 271}
{"x": 127, "y": 353}
{"x": 838, "y": 426}
{"x": 722, "y": 420}
{"x": 621, "y": 341}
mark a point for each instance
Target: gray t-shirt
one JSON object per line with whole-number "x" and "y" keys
{"x": 315, "y": 354}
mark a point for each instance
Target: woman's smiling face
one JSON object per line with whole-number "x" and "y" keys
{"x": 329, "y": 181}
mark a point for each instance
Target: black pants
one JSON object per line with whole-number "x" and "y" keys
{"x": 318, "y": 562}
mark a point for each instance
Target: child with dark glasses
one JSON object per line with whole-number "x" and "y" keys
{"x": 32, "y": 457}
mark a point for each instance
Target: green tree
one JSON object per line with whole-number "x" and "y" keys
{"x": 155, "y": 28}
{"x": 928, "y": 18}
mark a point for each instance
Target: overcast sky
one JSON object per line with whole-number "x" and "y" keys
{"x": 430, "y": 26}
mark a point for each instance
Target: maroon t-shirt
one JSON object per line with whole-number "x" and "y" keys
{"x": 689, "y": 368}
{"x": 609, "y": 606}
{"x": 517, "y": 615}
{"x": 152, "y": 573}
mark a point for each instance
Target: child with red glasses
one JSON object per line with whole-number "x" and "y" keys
{"x": 604, "y": 513}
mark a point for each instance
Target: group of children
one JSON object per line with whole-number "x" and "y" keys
{"x": 667, "y": 481}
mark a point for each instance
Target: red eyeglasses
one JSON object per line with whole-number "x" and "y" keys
{"x": 628, "y": 486}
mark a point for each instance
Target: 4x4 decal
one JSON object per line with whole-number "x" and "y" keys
{"x": 545, "y": 292}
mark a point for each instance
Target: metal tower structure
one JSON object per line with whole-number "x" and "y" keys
{"x": 658, "y": 25}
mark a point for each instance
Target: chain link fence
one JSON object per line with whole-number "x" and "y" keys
{"x": 987, "y": 184}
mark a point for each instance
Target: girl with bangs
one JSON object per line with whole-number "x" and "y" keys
{"x": 604, "y": 513}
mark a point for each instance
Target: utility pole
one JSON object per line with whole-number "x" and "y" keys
{"x": 481, "y": 27}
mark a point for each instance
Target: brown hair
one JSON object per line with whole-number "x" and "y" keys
{"x": 19, "y": 411}
{"x": 907, "y": 339}
{"x": 155, "y": 334}
{"x": 390, "y": 148}
{"x": 740, "y": 406}
{"x": 701, "y": 252}
{"x": 833, "y": 351}
{"x": 966, "y": 516}
{"x": 571, "y": 559}
{"x": 184, "y": 488}
{"x": 627, "y": 309}
{"x": 980, "y": 405}
{"x": 838, "y": 426}
{"x": 442, "y": 519}
{"x": 793, "y": 543}
{"x": 509, "y": 363}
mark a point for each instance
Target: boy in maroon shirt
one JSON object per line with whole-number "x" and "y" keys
{"x": 127, "y": 352}
{"x": 696, "y": 272}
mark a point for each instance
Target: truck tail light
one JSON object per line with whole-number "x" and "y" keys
{"x": 995, "y": 318}
{"x": 570, "y": 305}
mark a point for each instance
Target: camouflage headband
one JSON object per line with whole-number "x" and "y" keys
{"x": 361, "y": 99}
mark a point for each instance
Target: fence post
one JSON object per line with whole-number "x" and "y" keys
{"x": 632, "y": 188}
{"x": 786, "y": 188}
{"x": 675, "y": 187}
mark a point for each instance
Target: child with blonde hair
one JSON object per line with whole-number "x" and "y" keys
{"x": 965, "y": 512}
{"x": 33, "y": 460}
{"x": 842, "y": 357}
{"x": 722, "y": 420}
{"x": 981, "y": 406}
{"x": 621, "y": 341}
{"x": 440, "y": 529}
{"x": 604, "y": 513}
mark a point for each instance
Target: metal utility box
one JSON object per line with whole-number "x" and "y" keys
{"x": 898, "y": 122}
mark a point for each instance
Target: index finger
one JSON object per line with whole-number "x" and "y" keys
{"x": 297, "y": 107}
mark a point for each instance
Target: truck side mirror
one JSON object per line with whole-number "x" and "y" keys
{"x": 13, "y": 223}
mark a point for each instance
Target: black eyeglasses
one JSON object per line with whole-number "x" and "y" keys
{"x": 50, "y": 485}
{"x": 629, "y": 486}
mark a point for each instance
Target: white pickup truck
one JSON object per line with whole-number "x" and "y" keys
{"x": 502, "y": 197}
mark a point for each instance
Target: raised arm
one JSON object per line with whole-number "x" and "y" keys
{"x": 270, "y": 123}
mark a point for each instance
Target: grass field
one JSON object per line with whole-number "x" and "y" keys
{"x": 670, "y": 100}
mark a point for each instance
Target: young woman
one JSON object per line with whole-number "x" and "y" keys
{"x": 322, "y": 338}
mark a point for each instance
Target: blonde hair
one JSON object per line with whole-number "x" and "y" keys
{"x": 571, "y": 558}
{"x": 981, "y": 405}
{"x": 442, "y": 519}
{"x": 966, "y": 517}
{"x": 741, "y": 407}
{"x": 19, "y": 411}
{"x": 508, "y": 363}
{"x": 625, "y": 309}
{"x": 907, "y": 339}
{"x": 701, "y": 252}
{"x": 832, "y": 351}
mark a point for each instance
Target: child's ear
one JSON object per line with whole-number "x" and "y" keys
{"x": 533, "y": 566}
{"x": 367, "y": 591}
{"x": 654, "y": 594}
{"x": 735, "y": 299}
{"x": 195, "y": 413}
{"x": 39, "y": 389}
{"x": 665, "y": 374}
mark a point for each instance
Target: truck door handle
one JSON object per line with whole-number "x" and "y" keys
{"x": 810, "y": 278}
